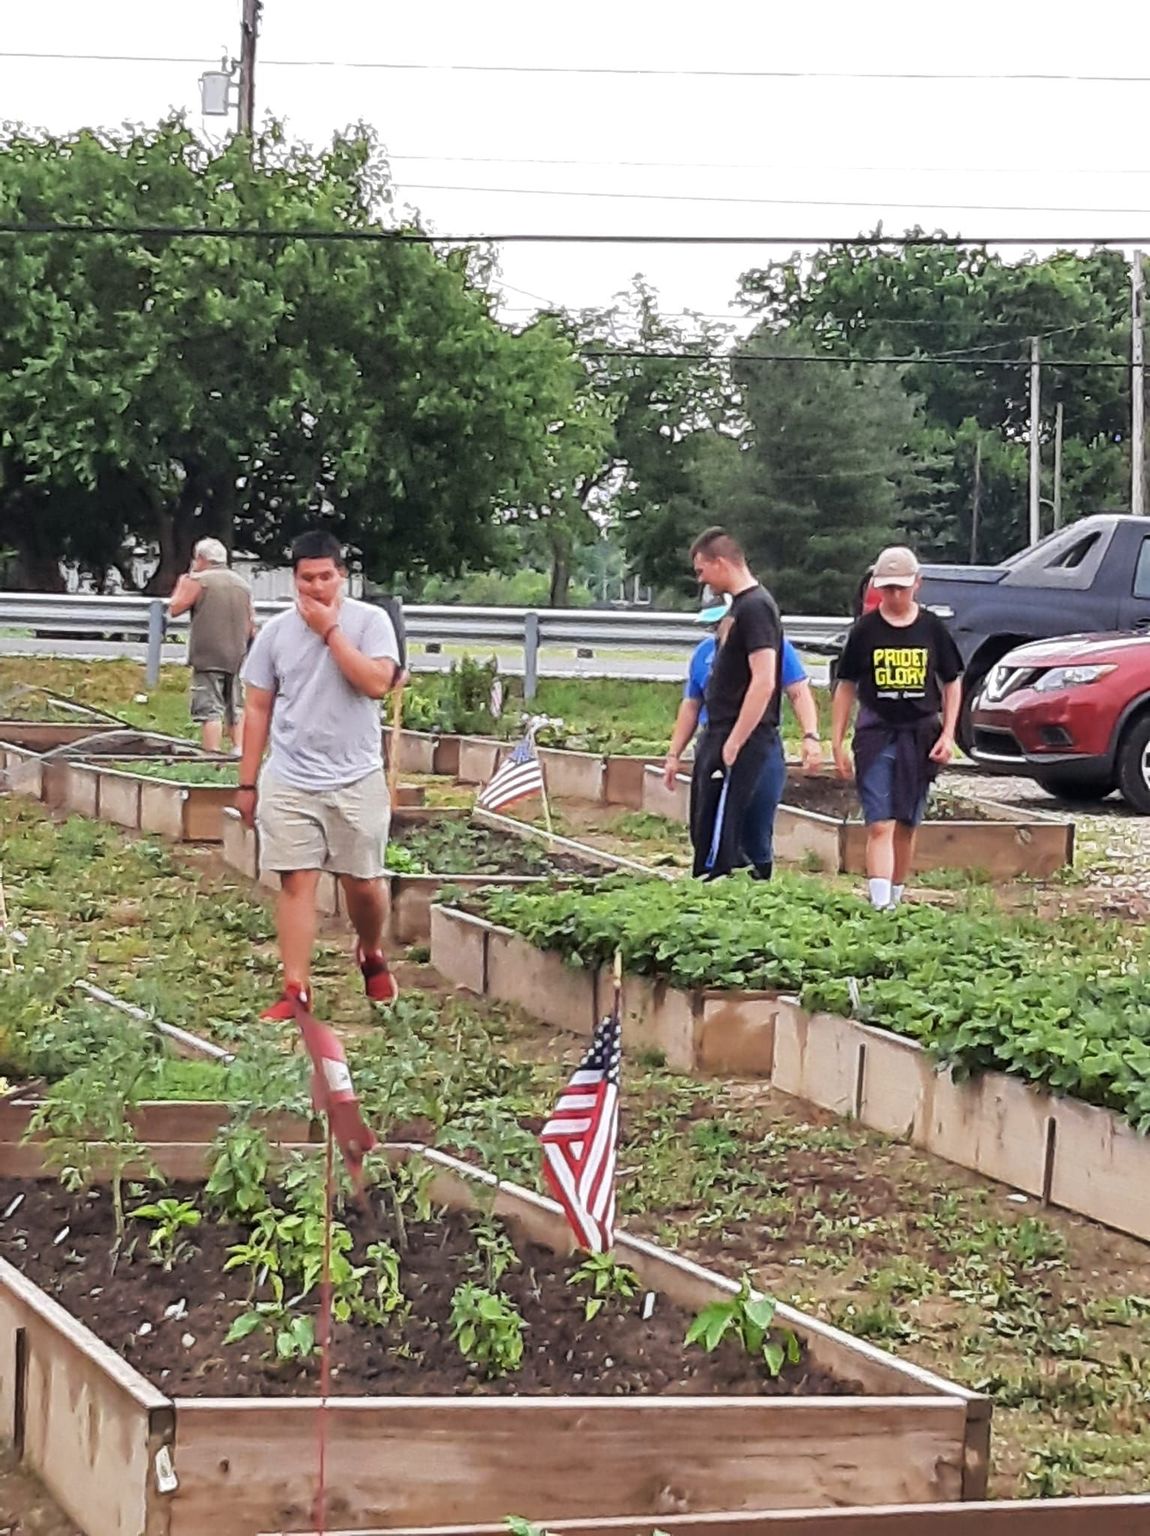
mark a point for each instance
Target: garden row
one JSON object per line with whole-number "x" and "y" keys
{"x": 812, "y": 824}
{"x": 1019, "y": 1050}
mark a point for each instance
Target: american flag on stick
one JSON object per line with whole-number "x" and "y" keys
{"x": 580, "y": 1140}
{"x": 519, "y": 776}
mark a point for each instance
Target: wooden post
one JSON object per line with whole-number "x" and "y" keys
{"x": 396, "y": 733}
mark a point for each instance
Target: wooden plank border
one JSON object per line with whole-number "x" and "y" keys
{"x": 1007, "y": 843}
{"x": 1115, "y": 1516}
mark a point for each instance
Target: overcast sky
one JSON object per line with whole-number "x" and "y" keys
{"x": 903, "y": 151}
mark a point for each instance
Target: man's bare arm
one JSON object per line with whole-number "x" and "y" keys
{"x": 185, "y": 595}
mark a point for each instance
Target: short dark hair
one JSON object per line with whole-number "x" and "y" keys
{"x": 717, "y": 544}
{"x": 316, "y": 544}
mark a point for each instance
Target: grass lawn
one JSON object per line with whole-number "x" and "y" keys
{"x": 598, "y": 714}
{"x": 1046, "y": 1312}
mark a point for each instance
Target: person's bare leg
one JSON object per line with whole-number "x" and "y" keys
{"x": 367, "y": 907}
{"x": 237, "y": 733}
{"x": 212, "y": 734}
{"x": 880, "y": 846}
{"x": 295, "y": 923}
{"x": 904, "y": 838}
{"x": 880, "y": 862}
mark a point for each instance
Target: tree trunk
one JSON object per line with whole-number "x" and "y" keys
{"x": 560, "y": 576}
{"x": 176, "y": 536}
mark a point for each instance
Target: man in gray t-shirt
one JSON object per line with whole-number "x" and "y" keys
{"x": 314, "y": 678}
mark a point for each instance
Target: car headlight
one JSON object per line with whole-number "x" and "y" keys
{"x": 1071, "y": 677}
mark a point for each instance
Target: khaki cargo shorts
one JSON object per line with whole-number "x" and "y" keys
{"x": 216, "y": 696}
{"x": 341, "y": 830}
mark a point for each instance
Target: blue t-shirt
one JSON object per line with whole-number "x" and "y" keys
{"x": 703, "y": 656}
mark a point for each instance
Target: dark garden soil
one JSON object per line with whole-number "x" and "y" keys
{"x": 615, "y": 1354}
{"x": 458, "y": 848}
{"x": 828, "y": 796}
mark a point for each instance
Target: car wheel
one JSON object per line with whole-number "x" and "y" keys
{"x": 1134, "y": 765}
{"x": 1064, "y": 787}
{"x": 972, "y": 685}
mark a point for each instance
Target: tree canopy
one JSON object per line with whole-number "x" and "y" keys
{"x": 156, "y": 389}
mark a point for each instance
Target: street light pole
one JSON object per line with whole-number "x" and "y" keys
{"x": 248, "y": 35}
{"x": 1137, "y": 390}
{"x": 1035, "y": 444}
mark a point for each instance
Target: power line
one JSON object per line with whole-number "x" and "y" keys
{"x": 760, "y": 202}
{"x": 53, "y": 229}
{"x": 414, "y": 66}
{"x": 763, "y": 165}
{"x": 640, "y": 355}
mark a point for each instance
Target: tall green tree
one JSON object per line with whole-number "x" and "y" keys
{"x": 973, "y": 313}
{"x": 154, "y": 389}
{"x": 660, "y": 387}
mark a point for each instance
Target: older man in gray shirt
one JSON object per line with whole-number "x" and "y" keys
{"x": 314, "y": 678}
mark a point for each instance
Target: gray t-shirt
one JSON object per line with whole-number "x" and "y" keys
{"x": 324, "y": 733}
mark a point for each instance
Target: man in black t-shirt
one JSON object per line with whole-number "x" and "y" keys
{"x": 902, "y": 666}
{"x": 742, "y": 700}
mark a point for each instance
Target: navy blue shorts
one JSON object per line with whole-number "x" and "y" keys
{"x": 876, "y": 790}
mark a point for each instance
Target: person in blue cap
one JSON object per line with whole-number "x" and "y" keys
{"x": 759, "y": 825}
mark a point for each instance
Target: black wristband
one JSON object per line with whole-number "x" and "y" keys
{"x": 811, "y": 736}
{"x": 246, "y": 786}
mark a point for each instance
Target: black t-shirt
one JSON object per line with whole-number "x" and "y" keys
{"x": 753, "y": 624}
{"x": 899, "y": 670}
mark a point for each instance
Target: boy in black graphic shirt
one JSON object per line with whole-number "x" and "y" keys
{"x": 742, "y": 700}
{"x": 903, "y": 667}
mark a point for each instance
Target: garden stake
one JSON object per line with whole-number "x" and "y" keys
{"x": 393, "y": 748}
{"x": 9, "y": 953}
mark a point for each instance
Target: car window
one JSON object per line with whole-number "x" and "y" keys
{"x": 1142, "y": 570}
{"x": 1071, "y": 558}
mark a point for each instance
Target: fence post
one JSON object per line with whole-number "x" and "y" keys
{"x": 155, "y": 640}
{"x": 530, "y": 654}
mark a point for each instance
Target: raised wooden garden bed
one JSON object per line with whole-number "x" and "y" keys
{"x": 1117, "y": 1516}
{"x": 192, "y": 813}
{"x": 1002, "y": 842}
{"x": 123, "y": 1457}
{"x": 1060, "y": 1150}
{"x": 413, "y": 895}
{"x": 604, "y": 778}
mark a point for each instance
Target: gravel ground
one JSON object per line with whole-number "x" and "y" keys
{"x": 1112, "y": 842}
{"x": 25, "y": 1509}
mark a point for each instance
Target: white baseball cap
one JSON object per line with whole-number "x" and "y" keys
{"x": 897, "y": 566}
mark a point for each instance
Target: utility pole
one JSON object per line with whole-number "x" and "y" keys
{"x": 974, "y": 502}
{"x": 1058, "y": 465}
{"x": 1035, "y": 445}
{"x": 1137, "y": 391}
{"x": 249, "y": 33}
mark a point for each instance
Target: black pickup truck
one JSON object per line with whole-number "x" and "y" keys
{"x": 1092, "y": 575}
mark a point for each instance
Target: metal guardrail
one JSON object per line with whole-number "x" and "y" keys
{"x": 125, "y": 624}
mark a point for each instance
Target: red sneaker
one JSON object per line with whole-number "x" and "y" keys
{"x": 378, "y": 982}
{"x": 283, "y": 1011}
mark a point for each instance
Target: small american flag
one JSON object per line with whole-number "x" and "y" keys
{"x": 518, "y": 777}
{"x": 580, "y": 1139}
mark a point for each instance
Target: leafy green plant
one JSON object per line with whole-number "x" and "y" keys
{"x": 747, "y": 1316}
{"x": 487, "y": 1328}
{"x": 237, "y": 1182}
{"x": 383, "y": 1299}
{"x": 495, "y": 1252}
{"x": 607, "y": 1279}
{"x": 170, "y": 1219}
{"x": 289, "y": 1334}
{"x": 86, "y": 1119}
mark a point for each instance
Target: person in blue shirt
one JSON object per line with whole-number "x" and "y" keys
{"x": 759, "y": 828}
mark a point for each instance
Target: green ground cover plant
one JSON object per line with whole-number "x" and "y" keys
{"x": 1064, "y": 1005}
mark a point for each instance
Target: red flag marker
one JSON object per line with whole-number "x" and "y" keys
{"x": 332, "y": 1092}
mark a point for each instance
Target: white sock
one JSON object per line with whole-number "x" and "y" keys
{"x": 879, "y": 892}
{"x": 896, "y": 893}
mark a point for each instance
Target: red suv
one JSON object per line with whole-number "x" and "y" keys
{"x": 1073, "y": 714}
